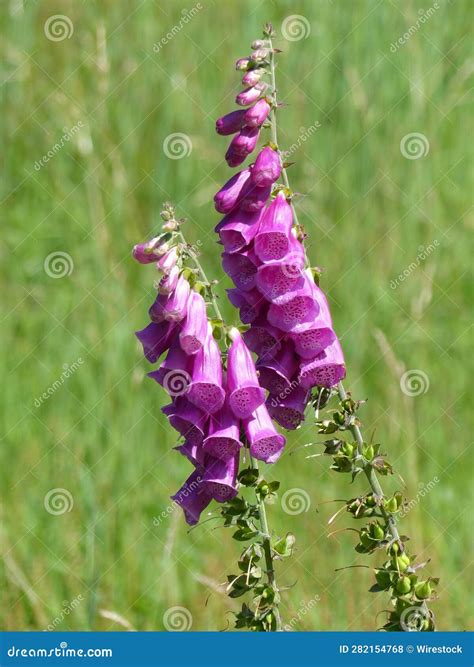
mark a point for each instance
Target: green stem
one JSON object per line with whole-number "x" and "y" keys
{"x": 355, "y": 430}
{"x": 267, "y": 548}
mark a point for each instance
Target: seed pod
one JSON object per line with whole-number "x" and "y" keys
{"x": 423, "y": 590}
{"x": 402, "y": 562}
{"x": 403, "y": 586}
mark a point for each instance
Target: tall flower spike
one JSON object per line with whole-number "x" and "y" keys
{"x": 245, "y": 393}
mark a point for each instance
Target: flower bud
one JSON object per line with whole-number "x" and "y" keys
{"x": 403, "y": 586}
{"x": 231, "y": 122}
{"x": 257, "y": 115}
{"x": 167, "y": 261}
{"x": 250, "y": 95}
{"x": 402, "y": 562}
{"x": 423, "y": 590}
{"x": 252, "y": 77}
{"x": 267, "y": 168}
{"x": 148, "y": 252}
{"x": 259, "y": 55}
{"x": 259, "y": 44}
{"x": 242, "y": 64}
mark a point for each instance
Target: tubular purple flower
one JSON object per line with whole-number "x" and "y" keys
{"x": 205, "y": 390}
{"x": 267, "y": 168}
{"x": 242, "y": 145}
{"x": 151, "y": 251}
{"x": 194, "y": 452}
{"x": 250, "y": 303}
{"x": 245, "y": 393}
{"x": 167, "y": 261}
{"x": 288, "y": 410}
{"x": 325, "y": 370}
{"x": 250, "y": 95}
{"x": 169, "y": 281}
{"x": 172, "y": 307}
{"x": 254, "y": 198}
{"x": 194, "y": 330}
{"x": 317, "y": 334}
{"x": 276, "y": 373}
{"x": 277, "y": 278}
{"x": 242, "y": 268}
{"x": 262, "y": 338}
{"x": 156, "y": 339}
{"x": 295, "y": 309}
{"x": 229, "y": 195}
{"x": 187, "y": 419}
{"x": 219, "y": 478}
{"x": 266, "y": 444}
{"x": 242, "y": 64}
{"x": 237, "y": 229}
{"x": 257, "y": 114}
{"x": 223, "y": 440}
{"x": 231, "y": 122}
{"x": 174, "y": 374}
{"x": 193, "y": 497}
{"x": 273, "y": 239}
{"x": 253, "y": 76}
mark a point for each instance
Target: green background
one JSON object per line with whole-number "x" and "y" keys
{"x": 367, "y": 209}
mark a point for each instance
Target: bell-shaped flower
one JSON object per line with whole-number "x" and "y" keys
{"x": 288, "y": 408}
{"x": 223, "y": 438}
{"x": 257, "y": 114}
{"x": 219, "y": 477}
{"x": 250, "y": 303}
{"x": 193, "y": 497}
{"x": 277, "y": 373}
{"x": 267, "y": 168}
{"x": 266, "y": 444}
{"x": 250, "y": 95}
{"x": 229, "y": 195}
{"x": 245, "y": 393}
{"x": 172, "y": 307}
{"x": 205, "y": 389}
{"x": 187, "y": 419}
{"x": 262, "y": 338}
{"x": 273, "y": 238}
{"x": 242, "y": 268}
{"x": 194, "y": 330}
{"x": 230, "y": 123}
{"x": 242, "y": 145}
{"x": 325, "y": 370}
{"x": 156, "y": 339}
{"x": 174, "y": 373}
{"x": 279, "y": 277}
{"x": 318, "y": 334}
{"x": 294, "y": 309}
{"x": 238, "y": 229}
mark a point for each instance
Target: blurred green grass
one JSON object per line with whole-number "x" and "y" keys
{"x": 367, "y": 210}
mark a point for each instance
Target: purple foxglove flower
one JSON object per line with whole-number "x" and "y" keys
{"x": 156, "y": 339}
{"x": 194, "y": 330}
{"x": 242, "y": 64}
{"x": 250, "y": 95}
{"x": 242, "y": 145}
{"x": 254, "y": 198}
{"x": 172, "y": 307}
{"x": 205, "y": 390}
{"x": 228, "y": 196}
{"x": 193, "y": 497}
{"x": 223, "y": 440}
{"x": 295, "y": 309}
{"x": 194, "y": 452}
{"x": 174, "y": 374}
{"x": 253, "y": 76}
{"x": 276, "y": 374}
{"x": 149, "y": 252}
{"x": 325, "y": 370}
{"x": 219, "y": 478}
{"x": 273, "y": 238}
{"x": 242, "y": 268}
{"x": 279, "y": 277}
{"x": 237, "y": 229}
{"x": 288, "y": 409}
{"x": 257, "y": 115}
{"x": 168, "y": 282}
{"x": 245, "y": 393}
{"x": 266, "y": 444}
{"x": 267, "y": 168}
{"x": 187, "y": 419}
{"x": 250, "y": 303}
{"x": 262, "y": 338}
{"x": 318, "y": 334}
{"x": 167, "y": 261}
{"x": 230, "y": 123}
